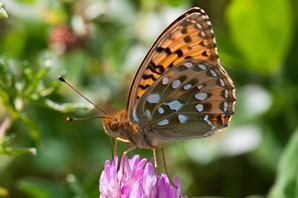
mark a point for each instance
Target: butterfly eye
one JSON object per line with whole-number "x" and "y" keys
{"x": 113, "y": 126}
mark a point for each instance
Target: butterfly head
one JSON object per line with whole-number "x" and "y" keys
{"x": 118, "y": 125}
{"x": 112, "y": 124}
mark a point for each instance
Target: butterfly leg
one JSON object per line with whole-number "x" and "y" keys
{"x": 116, "y": 144}
{"x": 155, "y": 162}
{"x": 133, "y": 147}
{"x": 164, "y": 163}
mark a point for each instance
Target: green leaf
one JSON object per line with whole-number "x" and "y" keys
{"x": 262, "y": 31}
{"x": 286, "y": 184}
{"x": 20, "y": 86}
{"x": 67, "y": 107}
{"x": 32, "y": 127}
{"x": 17, "y": 151}
{"x": 175, "y": 3}
{"x": 7, "y": 149}
{"x": 3, "y": 13}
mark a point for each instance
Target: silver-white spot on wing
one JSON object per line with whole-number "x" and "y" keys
{"x": 200, "y": 86}
{"x": 202, "y": 67}
{"x": 160, "y": 110}
{"x": 134, "y": 115}
{"x": 174, "y": 105}
{"x": 187, "y": 86}
{"x": 226, "y": 105}
{"x": 221, "y": 81}
{"x": 182, "y": 118}
{"x": 188, "y": 64}
{"x": 206, "y": 118}
{"x": 153, "y": 98}
{"x": 201, "y": 96}
{"x": 226, "y": 93}
{"x": 199, "y": 107}
{"x": 213, "y": 73}
{"x": 176, "y": 84}
{"x": 148, "y": 114}
{"x": 163, "y": 122}
{"x": 165, "y": 81}
{"x": 199, "y": 26}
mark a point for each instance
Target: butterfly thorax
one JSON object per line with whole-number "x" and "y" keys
{"x": 118, "y": 125}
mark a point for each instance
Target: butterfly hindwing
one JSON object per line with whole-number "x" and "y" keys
{"x": 193, "y": 99}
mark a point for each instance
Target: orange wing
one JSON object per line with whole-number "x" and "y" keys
{"x": 190, "y": 36}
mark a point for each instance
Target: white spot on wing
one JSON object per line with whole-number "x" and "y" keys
{"x": 199, "y": 26}
{"x": 163, "y": 122}
{"x": 200, "y": 86}
{"x": 222, "y": 82}
{"x": 203, "y": 34}
{"x": 226, "y": 105}
{"x": 165, "y": 81}
{"x": 202, "y": 67}
{"x": 182, "y": 118}
{"x": 174, "y": 105}
{"x": 134, "y": 115}
{"x": 176, "y": 84}
{"x": 213, "y": 73}
{"x": 213, "y": 40}
{"x": 199, "y": 107}
{"x": 161, "y": 110}
{"x": 233, "y": 92}
{"x": 148, "y": 114}
{"x": 153, "y": 98}
{"x": 226, "y": 93}
{"x": 188, "y": 64}
{"x": 187, "y": 86}
{"x": 206, "y": 118}
{"x": 201, "y": 96}
{"x": 233, "y": 106}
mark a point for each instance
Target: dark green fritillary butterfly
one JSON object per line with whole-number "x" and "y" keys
{"x": 180, "y": 90}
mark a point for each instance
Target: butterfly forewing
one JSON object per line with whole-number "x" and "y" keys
{"x": 188, "y": 37}
{"x": 193, "y": 99}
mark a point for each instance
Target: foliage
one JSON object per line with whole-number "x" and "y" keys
{"x": 286, "y": 184}
{"x": 255, "y": 25}
{"x": 97, "y": 46}
{"x": 3, "y": 13}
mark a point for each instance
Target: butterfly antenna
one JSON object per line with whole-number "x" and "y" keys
{"x": 69, "y": 119}
{"x": 63, "y": 80}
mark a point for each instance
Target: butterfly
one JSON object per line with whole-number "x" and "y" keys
{"x": 180, "y": 91}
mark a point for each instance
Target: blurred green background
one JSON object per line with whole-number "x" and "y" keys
{"x": 98, "y": 45}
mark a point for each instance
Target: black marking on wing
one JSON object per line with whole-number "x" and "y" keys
{"x": 145, "y": 77}
{"x": 144, "y": 87}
